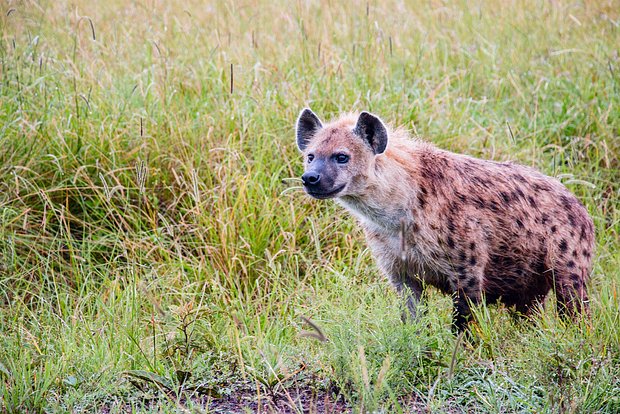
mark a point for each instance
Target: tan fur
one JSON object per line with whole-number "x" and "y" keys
{"x": 470, "y": 227}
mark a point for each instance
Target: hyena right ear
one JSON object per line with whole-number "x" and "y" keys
{"x": 307, "y": 125}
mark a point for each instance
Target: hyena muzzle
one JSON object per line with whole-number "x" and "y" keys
{"x": 475, "y": 229}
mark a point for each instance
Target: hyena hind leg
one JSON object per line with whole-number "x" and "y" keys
{"x": 571, "y": 294}
{"x": 462, "y": 311}
{"x": 530, "y": 306}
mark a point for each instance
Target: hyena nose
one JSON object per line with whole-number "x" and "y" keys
{"x": 311, "y": 178}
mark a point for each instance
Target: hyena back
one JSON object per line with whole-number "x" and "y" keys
{"x": 472, "y": 228}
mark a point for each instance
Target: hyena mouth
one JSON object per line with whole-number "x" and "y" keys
{"x": 323, "y": 195}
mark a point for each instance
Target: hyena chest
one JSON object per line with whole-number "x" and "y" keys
{"x": 401, "y": 244}
{"x": 408, "y": 254}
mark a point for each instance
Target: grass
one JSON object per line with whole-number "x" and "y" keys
{"x": 156, "y": 256}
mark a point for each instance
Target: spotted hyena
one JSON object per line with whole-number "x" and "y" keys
{"x": 474, "y": 229}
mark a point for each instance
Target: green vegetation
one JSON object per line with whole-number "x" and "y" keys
{"x": 157, "y": 255}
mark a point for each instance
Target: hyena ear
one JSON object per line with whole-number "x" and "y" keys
{"x": 371, "y": 129}
{"x": 307, "y": 125}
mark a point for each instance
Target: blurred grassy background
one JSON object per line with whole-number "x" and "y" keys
{"x": 155, "y": 256}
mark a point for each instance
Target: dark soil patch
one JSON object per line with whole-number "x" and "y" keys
{"x": 297, "y": 400}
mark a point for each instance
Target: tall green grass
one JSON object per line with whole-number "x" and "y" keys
{"x": 156, "y": 255}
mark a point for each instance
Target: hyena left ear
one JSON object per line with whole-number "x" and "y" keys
{"x": 307, "y": 125}
{"x": 371, "y": 129}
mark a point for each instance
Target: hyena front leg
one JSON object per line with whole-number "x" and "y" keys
{"x": 410, "y": 291}
{"x": 468, "y": 291}
{"x": 402, "y": 274}
{"x": 407, "y": 276}
{"x": 462, "y": 311}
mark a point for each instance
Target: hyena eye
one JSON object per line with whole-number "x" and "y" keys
{"x": 342, "y": 158}
{"x": 310, "y": 158}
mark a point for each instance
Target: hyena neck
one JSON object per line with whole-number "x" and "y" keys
{"x": 383, "y": 205}
{"x": 386, "y": 203}
{"x": 372, "y": 215}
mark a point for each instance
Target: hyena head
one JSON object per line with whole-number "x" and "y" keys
{"x": 339, "y": 155}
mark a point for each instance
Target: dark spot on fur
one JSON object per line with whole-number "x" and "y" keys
{"x": 461, "y": 270}
{"x": 450, "y": 226}
{"x": 472, "y": 246}
{"x": 574, "y": 276}
{"x": 462, "y": 256}
{"x": 501, "y": 223}
{"x": 421, "y": 200}
{"x": 541, "y": 187}
{"x": 531, "y": 200}
{"x": 544, "y": 218}
{"x": 519, "y": 223}
{"x": 471, "y": 283}
{"x": 574, "y": 253}
{"x": 479, "y": 202}
{"x": 484, "y": 182}
{"x": 539, "y": 267}
{"x": 450, "y": 242}
{"x": 461, "y": 197}
{"x": 472, "y": 261}
{"x": 519, "y": 271}
{"x": 505, "y": 197}
{"x": 562, "y": 245}
{"x": 582, "y": 236}
{"x": 415, "y": 227}
{"x": 554, "y": 229}
{"x": 565, "y": 202}
{"x": 586, "y": 253}
{"x": 520, "y": 192}
{"x": 570, "y": 263}
{"x": 571, "y": 219}
{"x": 493, "y": 207}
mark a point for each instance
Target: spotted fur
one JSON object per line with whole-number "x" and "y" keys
{"x": 475, "y": 229}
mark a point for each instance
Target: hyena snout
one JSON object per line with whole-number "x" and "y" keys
{"x": 311, "y": 178}
{"x": 321, "y": 180}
